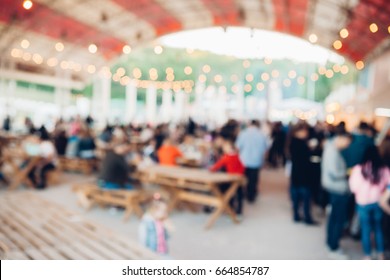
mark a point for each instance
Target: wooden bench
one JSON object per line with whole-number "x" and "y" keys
{"x": 131, "y": 200}
{"x": 33, "y": 228}
{"x": 85, "y": 166}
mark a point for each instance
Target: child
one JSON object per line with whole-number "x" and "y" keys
{"x": 154, "y": 228}
{"x": 231, "y": 163}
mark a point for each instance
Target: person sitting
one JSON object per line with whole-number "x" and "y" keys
{"x": 231, "y": 163}
{"x": 61, "y": 142}
{"x": 168, "y": 153}
{"x": 86, "y": 145}
{"x": 48, "y": 155}
{"x": 114, "y": 171}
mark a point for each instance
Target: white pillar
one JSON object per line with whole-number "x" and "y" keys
{"x": 179, "y": 105}
{"x": 240, "y": 101}
{"x": 62, "y": 98}
{"x": 10, "y": 95}
{"x": 131, "y": 102}
{"x": 221, "y": 106}
{"x": 167, "y": 108}
{"x": 101, "y": 100}
{"x": 151, "y": 104}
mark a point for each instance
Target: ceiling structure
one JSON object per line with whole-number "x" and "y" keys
{"x": 84, "y": 35}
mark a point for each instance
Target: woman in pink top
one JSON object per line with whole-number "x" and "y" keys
{"x": 368, "y": 181}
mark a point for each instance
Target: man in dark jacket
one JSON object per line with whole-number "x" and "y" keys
{"x": 300, "y": 183}
{"x": 114, "y": 172}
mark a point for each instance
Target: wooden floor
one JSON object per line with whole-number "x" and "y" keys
{"x": 33, "y": 228}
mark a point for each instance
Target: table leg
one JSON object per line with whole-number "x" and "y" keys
{"x": 224, "y": 205}
{"x": 22, "y": 174}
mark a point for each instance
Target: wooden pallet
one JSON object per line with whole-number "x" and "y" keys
{"x": 90, "y": 194}
{"x": 85, "y": 166}
{"x": 33, "y": 228}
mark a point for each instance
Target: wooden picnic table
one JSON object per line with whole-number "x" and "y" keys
{"x": 37, "y": 229}
{"x": 195, "y": 185}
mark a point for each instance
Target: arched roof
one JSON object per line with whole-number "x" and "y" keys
{"x": 112, "y": 24}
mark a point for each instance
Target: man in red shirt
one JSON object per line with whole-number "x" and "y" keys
{"x": 168, "y": 153}
{"x": 231, "y": 163}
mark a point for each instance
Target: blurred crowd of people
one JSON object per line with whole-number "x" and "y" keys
{"x": 344, "y": 173}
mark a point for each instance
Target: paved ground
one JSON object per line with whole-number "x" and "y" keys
{"x": 266, "y": 232}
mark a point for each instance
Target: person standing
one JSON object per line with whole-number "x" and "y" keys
{"x": 300, "y": 188}
{"x": 368, "y": 181}
{"x": 334, "y": 180}
{"x": 252, "y": 146}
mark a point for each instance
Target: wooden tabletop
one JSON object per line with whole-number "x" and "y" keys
{"x": 190, "y": 174}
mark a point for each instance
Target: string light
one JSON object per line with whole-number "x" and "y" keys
{"x": 16, "y": 53}
{"x": 301, "y": 80}
{"x": 206, "y": 68}
{"x": 359, "y": 65}
{"x": 202, "y": 78}
{"x": 170, "y": 77}
{"x": 322, "y": 70}
{"x": 249, "y": 78}
{"x": 92, "y": 48}
{"x": 267, "y": 60}
{"x": 137, "y": 73}
{"x": 51, "y": 62}
{"x": 344, "y": 33}
{"x": 27, "y": 4}
{"x": 37, "y": 58}
{"x": 336, "y": 68}
{"x": 246, "y": 63}
{"x": 25, "y": 44}
{"x": 314, "y": 77}
{"x": 218, "y": 79}
{"x": 91, "y": 69}
{"x": 313, "y": 38}
{"x": 248, "y": 88}
{"x": 121, "y": 71}
{"x": 153, "y": 74}
{"x": 275, "y": 73}
{"x": 169, "y": 70}
{"x": 329, "y": 73}
{"x": 344, "y": 69}
{"x": 265, "y": 77}
{"x": 337, "y": 44}
{"x": 260, "y": 86}
{"x": 59, "y": 47}
{"x": 126, "y": 49}
{"x": 373, "y": 27}
{"x": 188, "y": 70}
{"x": 158, "y": 49}
{"x": 292, "y": 74}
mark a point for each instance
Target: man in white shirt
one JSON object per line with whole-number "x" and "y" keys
{"x": 252, "y": 146}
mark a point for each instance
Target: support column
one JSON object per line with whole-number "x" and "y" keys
{"x": 167, "y": 108}
{"x": 62, "y": 96}
{"x": 151, "y": 104}
{"x": 9, "y": 97}
{"x": 101, "y": 100}
{"x": 240, "y": 97}
{"x": 131, "y": 102}
{"x": 179, "y": 106}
